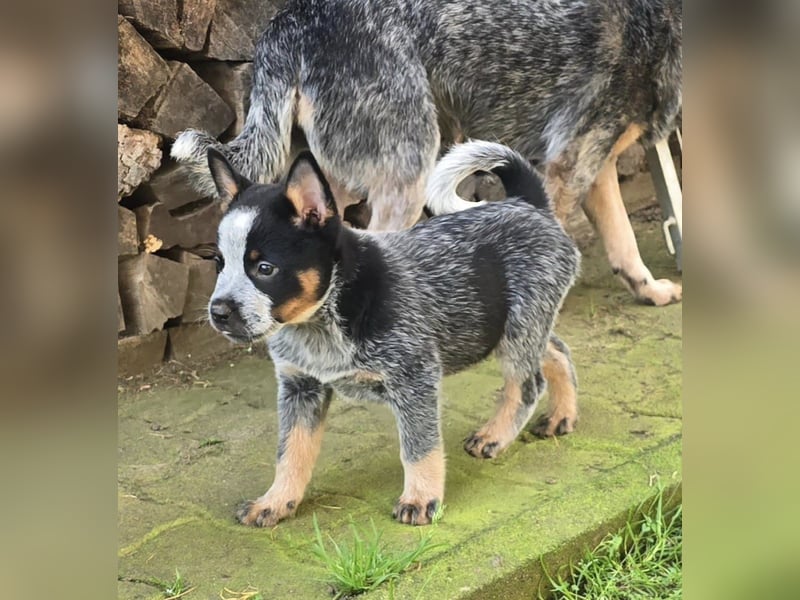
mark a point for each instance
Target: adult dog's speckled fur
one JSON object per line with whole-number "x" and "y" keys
{"x": 385, "y": 315}
{"x": 377, "y": 85}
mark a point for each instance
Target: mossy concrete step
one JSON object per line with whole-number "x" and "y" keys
{"x": 188, "y": 454}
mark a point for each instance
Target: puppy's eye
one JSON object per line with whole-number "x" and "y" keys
{"x": 220, "y": 263}
{"x": 266, "y": 269}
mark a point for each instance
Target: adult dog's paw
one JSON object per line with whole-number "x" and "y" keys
{"x": 660, "y": 292}
{"x": 415, "y": 512}
{"x": 265, "y": 512}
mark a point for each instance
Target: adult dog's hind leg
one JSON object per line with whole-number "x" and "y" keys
{"x": 396, "y": 207}
{"x": 302, "y": 406}
{"x": 562, "y": 386}
{"x": 604, "y": 208}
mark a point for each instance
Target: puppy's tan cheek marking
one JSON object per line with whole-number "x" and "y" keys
{"x": 300, "y": 308}
{"x": 563, "y": 395}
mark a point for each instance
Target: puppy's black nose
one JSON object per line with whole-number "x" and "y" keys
{"x": 221, "y": 311}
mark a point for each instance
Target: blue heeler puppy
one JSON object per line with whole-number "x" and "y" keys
{"x": 383, "y": 316}
{"x": 377, "y": 85}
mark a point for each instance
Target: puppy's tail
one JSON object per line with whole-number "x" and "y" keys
{"x": 517, "y": 175}
{"x": 261, "y": 150}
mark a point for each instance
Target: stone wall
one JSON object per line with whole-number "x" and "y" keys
{"x": 182, "y": 64}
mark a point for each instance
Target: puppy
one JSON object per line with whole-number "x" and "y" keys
{"x": 382, "y": 317}
{"x": 377, "y": 85}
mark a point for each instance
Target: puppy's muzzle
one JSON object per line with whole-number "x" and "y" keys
{"x": 226, "y": 318}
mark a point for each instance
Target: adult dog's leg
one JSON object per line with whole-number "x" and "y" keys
{"x": 396, "y": 207}
{"x": 342, "y": 196}
{"x": 302, "y": 405}
{"x": 604, "y": 207}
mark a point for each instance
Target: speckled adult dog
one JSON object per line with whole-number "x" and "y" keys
{"x": 376, "y": 84}
{"x": 383, "y": 316}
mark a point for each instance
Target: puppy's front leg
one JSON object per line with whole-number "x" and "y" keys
{"x": 422, "y": 453}
{"x": 302, "y": 405}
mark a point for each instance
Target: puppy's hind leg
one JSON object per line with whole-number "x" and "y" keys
{"x": 514, "y": 411}
{"x": 562, "y": 385}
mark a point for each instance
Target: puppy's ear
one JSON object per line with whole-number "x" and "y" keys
{"x": 308, "y": 191}
{"x": 229, "y": 183}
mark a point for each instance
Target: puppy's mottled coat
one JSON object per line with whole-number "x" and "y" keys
{"x": 382, "y": 317}
{"x": 377, "y": 85}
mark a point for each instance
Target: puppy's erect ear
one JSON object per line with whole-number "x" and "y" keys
{"x": 229, "y": 183}
{"x": 308, "y": 191}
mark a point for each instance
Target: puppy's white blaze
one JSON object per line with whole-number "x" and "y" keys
{"x": 461, "y": 162}
{"x": 233, "y": 283}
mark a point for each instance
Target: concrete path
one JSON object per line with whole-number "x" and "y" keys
{"x": 190, "y": 452}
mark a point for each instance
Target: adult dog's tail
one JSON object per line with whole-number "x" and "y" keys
{"x": 517, "y": 175}
{"x": 261, "y": 150}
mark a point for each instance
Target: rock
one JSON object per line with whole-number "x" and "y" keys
{"x": 138, "y": 155}
{"x": 481, "y": 186}
{"x": 127, "y": 236}
{"x": 154, "y": 220}
{"x": 195, "y": 20}
{"x": 632, "y": 161}
{"x": 195, "y": 341}
{"x": 170, "y": 186}
{"x": 120, "y": 316}
{"x": 199, "y": 227}
{"x": 140, "y": 71}
{"x": 186, "y": 229}
{"x": 139, "y": 354}
{"x": 156, "y": 19}
{"x": 153, "y": 290}
{"x": 489, "y": 188}
{"x": 466, "y": 188}
{"x": 186, "y": 101}
{"x": 236, "y": 26}
{"x": 202, "y": 279}
{"x": 233, "y": 83}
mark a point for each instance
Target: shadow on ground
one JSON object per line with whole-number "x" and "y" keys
{"x": 190, "y": 452}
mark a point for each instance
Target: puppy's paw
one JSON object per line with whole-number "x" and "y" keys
{"x": 415, "y": 512}
{"x": 482, "y": 446}
{"x": 551, "y": 425}
{"x": 265, "y": 512}
{"x": 660, "y": 292}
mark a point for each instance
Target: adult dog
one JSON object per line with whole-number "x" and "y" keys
{"x": 377, "y": 85}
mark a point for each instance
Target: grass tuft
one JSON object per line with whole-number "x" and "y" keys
{"x": 643, "y": 561}
{"x": 210, "y": 442}
{"x": 176, "y": 589}
{"x": 364, "y": 563}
